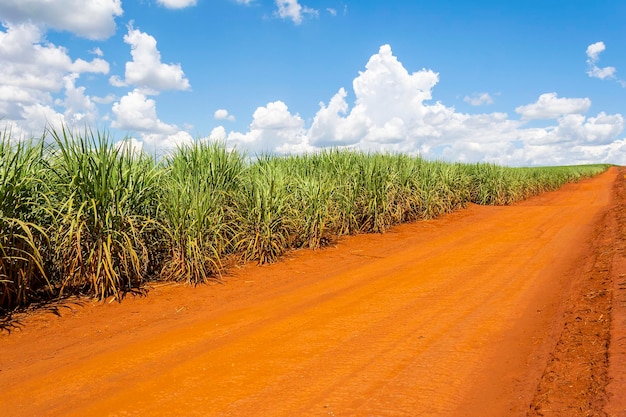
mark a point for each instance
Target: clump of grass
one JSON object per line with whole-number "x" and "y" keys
{"x": 312, "y": 194}
{"x": 263, "y": 212}
{"x": 341, "y": 168}
{"x": 377, "y": 188}
{"x": 202, "y": 184}
{"x": 23, "y": 238}
{"x": 106, "y": 198}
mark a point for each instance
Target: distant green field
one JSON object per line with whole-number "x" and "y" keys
{"x": 79, "y": 215}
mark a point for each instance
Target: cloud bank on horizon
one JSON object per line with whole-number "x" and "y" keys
{"x": 388, "y": 108}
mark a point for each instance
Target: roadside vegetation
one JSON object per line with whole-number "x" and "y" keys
{"x": 80, "y": 214}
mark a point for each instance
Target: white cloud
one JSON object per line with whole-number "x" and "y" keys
{"x": 79, "y": 108}
{"x": 96, "y": 65}
{"x": 92, "y": 19}
{"x": 146, "y": 69}
{"x": 218, "y": 133}
{"x": 614, "y": 152}
{"x": 222, "y": 114}
{"x": 389, "y": 106}
{"x": 97, "y": 51}
{"x": 602, "y": 73}
{"x": 33, "y": 120}
{"x": 576, "y": 129}
{"x": 393, "y": 112}
{"x": 333, "y": 12}
{"x": 40, "y": 87}
{"x": 116, "y": 81}
{"x": 275, "y": 116}
{"x": 109, "y": 98}
{"x": 331, "y": 128}
{"x": 136, "y": 113}
{"x": 177, "y": 4}
{"x": 131, "y": 144}
{"x": 601, "y": 129}
{"x": 479, "y": 99}
{"x": 34, "y": 73}
{"x": 246, "y": 2}
{"x": 593, "y": 56}
{"x": 291, "y": 9}
{"x": 594, "y": 50}
{"x": 549, "y": 106}
{"x": 273, "y": 129}
{"x": 165, "y": 142}
{"x": 31, "y": 62}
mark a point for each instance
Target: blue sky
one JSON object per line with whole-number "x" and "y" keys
{"x": 516, "y": 83}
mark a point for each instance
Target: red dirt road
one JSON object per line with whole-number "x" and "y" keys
{"x": 472, "y": 314}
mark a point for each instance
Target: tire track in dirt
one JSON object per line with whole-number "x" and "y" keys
{"x": 451, "y": 317}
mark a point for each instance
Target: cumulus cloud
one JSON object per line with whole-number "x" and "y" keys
{"x": 146, "y": 70}
{"x": 137, "y": 113}
{"x": 390, "y": 113}
{"x": 593, "y": 51}
{"x": 273, "y": 129}
{"x": 34, "y": 72}
{"x": 96, "y": 19}
{"x": 79, "y": 107}
{"x": 177, "y": 4}
{"x": 116, "y": 81}
{"x": 165, "y": 142}
{"x": 393, "y": 111}
{"x": 593, "y": 56}
{"x": 611, "y": 153}
{"x": 36, "y": 117}
{"x": 40, "y": 87}
{"x": 479, "y": 99}
{"x": 601, "y": 129}
{"x": 222, "y": 114}
{"x": 218, "y": 133}
{"x": 576, "y": 129}
{"x": 549, "y": 106}
{"x": 94, "y": 66}
{"x": 31, "y": 62}
{"x": 130, "y": 144}
{"x": 389, "y": 106}
{"x": 291, "y": 9}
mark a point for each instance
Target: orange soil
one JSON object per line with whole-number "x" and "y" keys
{"x": 489, "y": 311}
